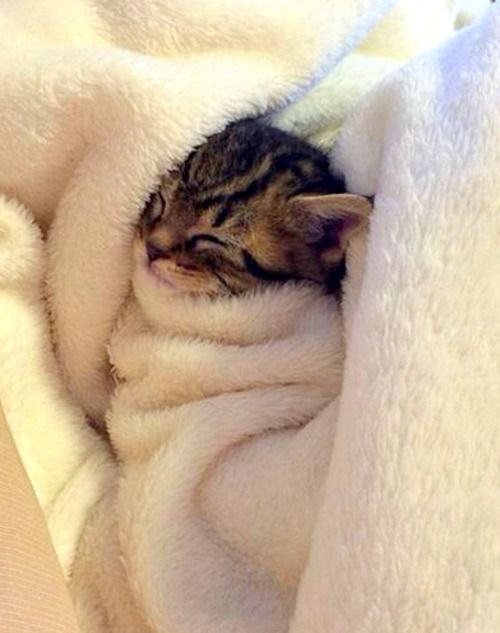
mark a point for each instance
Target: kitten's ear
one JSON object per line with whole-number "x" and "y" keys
{"x": 331, "y": 220}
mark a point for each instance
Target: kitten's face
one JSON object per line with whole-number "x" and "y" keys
{"x": 214, "y": 228}
{"x": 217, "y": 250}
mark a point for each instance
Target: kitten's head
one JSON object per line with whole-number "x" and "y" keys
{"x": 253, "y": 205}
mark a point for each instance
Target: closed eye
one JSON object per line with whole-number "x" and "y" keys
{"x": 259, "y": 272}
{"x": 205, "y": 240}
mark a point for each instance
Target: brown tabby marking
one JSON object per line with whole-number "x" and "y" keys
{"x": 252, "y": 205}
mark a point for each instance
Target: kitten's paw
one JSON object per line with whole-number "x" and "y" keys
{"x": 21, "y": 247}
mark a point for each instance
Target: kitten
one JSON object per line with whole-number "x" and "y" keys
{"x": 253, "y": 205}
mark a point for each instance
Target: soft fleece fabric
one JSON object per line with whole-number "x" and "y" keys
{"x": 193, "y": 392}
{"x": 99, "y": 97}
{"x": 88, "y": 122}
{"x": 405, "y": 539}
{"x": 65, "y": 461}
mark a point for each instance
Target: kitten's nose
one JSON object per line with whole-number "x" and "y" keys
{"x": 155, "y": 252}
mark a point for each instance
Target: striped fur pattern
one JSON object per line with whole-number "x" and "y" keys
{"x": 246, "y": 208}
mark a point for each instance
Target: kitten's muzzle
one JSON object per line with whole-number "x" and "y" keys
{"x": 175, "y": 257}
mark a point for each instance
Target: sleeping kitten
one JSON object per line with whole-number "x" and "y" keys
{"x": 253, "y": 205}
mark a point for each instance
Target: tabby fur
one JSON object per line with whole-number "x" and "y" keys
{"x": 252, "y": 205}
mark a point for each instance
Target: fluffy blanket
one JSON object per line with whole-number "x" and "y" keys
{"x": 407, "y": 538}
{"x": 89, "y": 121}
{"x": 96, "y": 100}
{"x": 194, "y": 393}
{"x": 99, "y": 98}
{"x": 66, "y": 463}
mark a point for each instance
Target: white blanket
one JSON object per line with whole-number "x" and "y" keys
{"x": 87, "y": 125}
{"x": 406, "y": 539}
{"x": 204, "y": 381}
{"x": 68, "y": 466}
{"x": 99, "y": 98}
{"x": 408, "y": 536}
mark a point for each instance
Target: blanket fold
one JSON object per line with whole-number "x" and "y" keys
{"x": 242, "y": 455}
{"x": 237, "y": 369}
{"x": 41, "y": 416}
{"x": 100, "y": 121}
{"x": 407, "y": 539}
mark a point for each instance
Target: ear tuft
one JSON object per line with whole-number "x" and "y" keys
{"x": 333, "y": 205}
{"x": 331, "y": 220}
